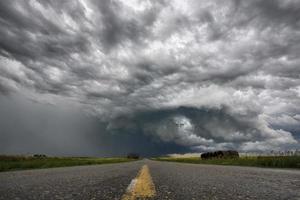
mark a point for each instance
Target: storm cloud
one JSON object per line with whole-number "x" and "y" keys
{"x": 175, "y": 76}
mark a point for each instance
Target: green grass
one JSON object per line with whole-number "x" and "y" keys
{"x": 8, "y": 163}
{"x": 260, "y": 161}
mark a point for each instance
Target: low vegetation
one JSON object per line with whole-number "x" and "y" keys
{"x": 258, "y": 161}
{"x": 8, "y": 163}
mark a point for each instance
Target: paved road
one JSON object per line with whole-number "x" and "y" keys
{"x": 171, "y": 180}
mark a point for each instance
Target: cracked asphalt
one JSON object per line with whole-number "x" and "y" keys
{"x": 171, "y": 180}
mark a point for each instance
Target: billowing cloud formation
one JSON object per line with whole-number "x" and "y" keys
{"x": 199, "y": 74}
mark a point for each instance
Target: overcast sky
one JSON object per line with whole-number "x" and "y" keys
{"x": 108, "y": 77}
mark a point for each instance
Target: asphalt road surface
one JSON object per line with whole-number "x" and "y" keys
{"x": 170, "y": 181}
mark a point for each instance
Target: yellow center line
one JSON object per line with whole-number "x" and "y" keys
{"x": 140, "y": 187}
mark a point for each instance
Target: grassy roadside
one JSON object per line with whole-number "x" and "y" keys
{"x": 8, "y": 163}
{"x": 259, "y": 161}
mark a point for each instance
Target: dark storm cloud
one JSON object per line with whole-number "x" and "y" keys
{"x": 227, "y": 70}
{"x": 194, "y": 127}
{"x": 115, "y": 29}
{"x": 32, "y": 128}
{"x": 3, "y": 89}
{"x": 286, "y": 13}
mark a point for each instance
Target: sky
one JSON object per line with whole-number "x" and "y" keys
{"x": 108, "y": 77}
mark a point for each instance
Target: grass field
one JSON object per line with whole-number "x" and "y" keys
{"x": 259, "y": 161}
{"x": 8, "y": 163}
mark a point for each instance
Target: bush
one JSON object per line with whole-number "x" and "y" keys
{"x": 133, "y": 156}
{"x": 220, "y": 154}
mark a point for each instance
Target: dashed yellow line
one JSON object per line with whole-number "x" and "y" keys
{"x": 140, "y": 187}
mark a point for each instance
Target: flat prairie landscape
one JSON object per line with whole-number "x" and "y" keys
{"x": 8, "y": 163}
{"x": 112, "y": 99}
{"x": 255, "y": 161}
